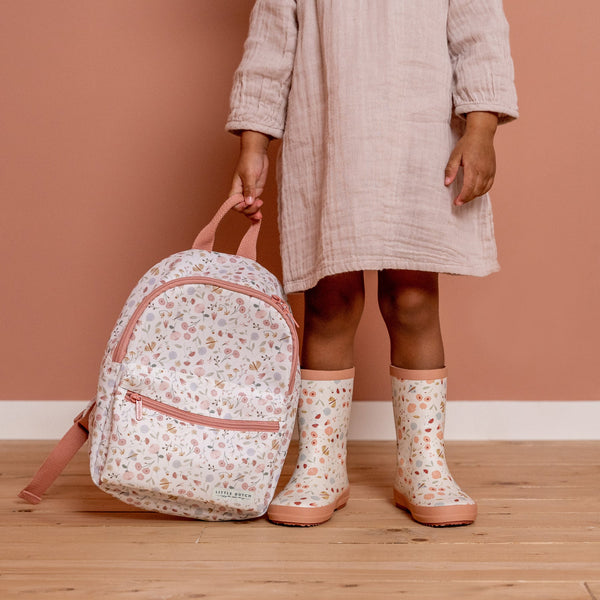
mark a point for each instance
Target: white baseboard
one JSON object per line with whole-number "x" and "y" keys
{"x": 372, "y": 420}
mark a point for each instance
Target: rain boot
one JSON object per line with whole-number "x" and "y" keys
{"x": 423, "y": 484}
{"x": 319, "y": 485}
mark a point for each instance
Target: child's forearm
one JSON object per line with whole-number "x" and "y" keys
{"x": 254, "y": 140}
{"x": 482, "y": 120}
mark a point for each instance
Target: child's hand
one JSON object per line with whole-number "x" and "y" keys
{"x": 251, "y": 173}
{"x": 475, "y": 152}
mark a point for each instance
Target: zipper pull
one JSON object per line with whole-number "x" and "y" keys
{"x": 284, "y": 307}
{"x": 138, "y": 404}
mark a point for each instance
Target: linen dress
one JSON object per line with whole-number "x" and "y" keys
{"x": 371, "y": 96}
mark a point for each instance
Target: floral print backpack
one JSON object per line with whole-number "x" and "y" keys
{"x": 198, "y": 388}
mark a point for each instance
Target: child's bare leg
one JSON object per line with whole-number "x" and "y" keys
{"x": 409, "y": 304}
{"x": 319, "y": 484}
{"x": 423, "y": 484}
{"x": 332, "y": 311}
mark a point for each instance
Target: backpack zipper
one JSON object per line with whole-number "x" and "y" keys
{"x": 273, "y": 300}
{"x": 183, "y": 415}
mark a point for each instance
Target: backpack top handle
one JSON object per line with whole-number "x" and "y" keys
{"x": 206, "y": 238}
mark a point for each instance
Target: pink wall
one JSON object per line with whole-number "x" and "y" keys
{"x": 113, "y": 155}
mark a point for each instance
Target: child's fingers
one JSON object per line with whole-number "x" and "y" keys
{"x": 242, "y": 205}
{"x": 257, "y": 216}
{"x": 249, "y": 201}
{"x": 236, "y": 188}
{"x": 254, "y": 207}
{"x": 249, "y": 192}
{"x": 471, "y": 187}
{"x": 452, "y": 168}
{"x": 253, "y": 210}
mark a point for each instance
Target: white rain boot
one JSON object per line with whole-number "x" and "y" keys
{"x": 319, "y": 485}
{"x": 423, "y": 484}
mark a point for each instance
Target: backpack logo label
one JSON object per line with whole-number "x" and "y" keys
{"x": 232, "y": 494}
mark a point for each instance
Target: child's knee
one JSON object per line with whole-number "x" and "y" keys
{"x": 408, "y": 305}
{"x": 336, "y": 301}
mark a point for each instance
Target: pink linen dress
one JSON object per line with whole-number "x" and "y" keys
{"x": 369, "y": 98}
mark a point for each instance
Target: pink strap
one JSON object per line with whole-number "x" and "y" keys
{"x": 206, "y": 238}
{"x": 58, "y": 459}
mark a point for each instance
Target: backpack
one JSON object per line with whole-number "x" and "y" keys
{"x": 198, "y": 388}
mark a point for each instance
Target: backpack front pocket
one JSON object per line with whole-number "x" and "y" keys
{"x": 161, "y": 457}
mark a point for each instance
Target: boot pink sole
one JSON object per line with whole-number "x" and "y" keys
{"x": 306, "y": 516}
{"x": 437, "y": 516}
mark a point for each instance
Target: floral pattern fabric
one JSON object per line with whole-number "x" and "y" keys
{"x": 165, "y": 463}
{"x": 320, "y": 476}
{"x": 422, "y": 474}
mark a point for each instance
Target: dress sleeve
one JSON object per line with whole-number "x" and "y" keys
{"x": 479, "y": 47}
{"x": 261, "y": 82}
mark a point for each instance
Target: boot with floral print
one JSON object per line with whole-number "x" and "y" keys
{"x": 319, "y": 485}
{"x": 423, "y": 484}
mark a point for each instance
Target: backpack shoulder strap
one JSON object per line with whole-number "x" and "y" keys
{"x": 58, "y": 459}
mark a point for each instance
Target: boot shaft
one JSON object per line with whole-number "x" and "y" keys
{"x": 419, "y": 405}
{"x": 324, "y": 410}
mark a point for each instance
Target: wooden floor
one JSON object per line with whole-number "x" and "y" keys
{"x": 537, "y": 535}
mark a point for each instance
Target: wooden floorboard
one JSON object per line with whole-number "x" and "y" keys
{"x": 537, "y": 535}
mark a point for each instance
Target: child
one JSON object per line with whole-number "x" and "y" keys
{"x": 381, "y": 102}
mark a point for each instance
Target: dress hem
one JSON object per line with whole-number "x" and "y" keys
{"x": 306, "y": 283}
